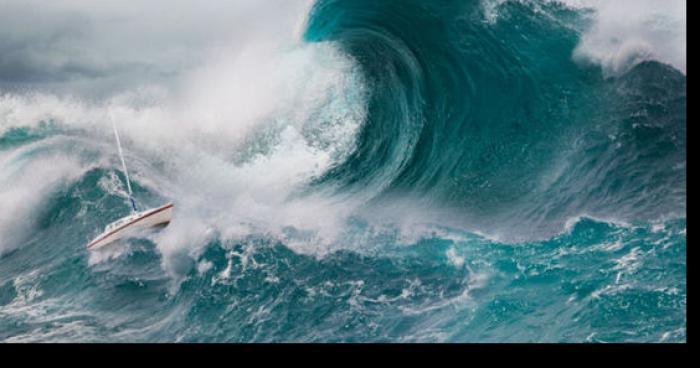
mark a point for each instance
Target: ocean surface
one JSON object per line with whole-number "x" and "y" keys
{"x": 398, "y": 171}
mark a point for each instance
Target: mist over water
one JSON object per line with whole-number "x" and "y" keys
{"x": 346, "y": 171}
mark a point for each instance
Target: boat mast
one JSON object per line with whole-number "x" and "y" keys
{"x": 121, "y": 156}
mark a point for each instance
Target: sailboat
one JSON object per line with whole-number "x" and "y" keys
{"x": 137, "y": 220}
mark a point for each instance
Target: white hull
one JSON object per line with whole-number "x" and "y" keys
{"x": 131, "y": 224}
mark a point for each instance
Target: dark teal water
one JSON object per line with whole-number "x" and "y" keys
{"x": 490, "y": 124}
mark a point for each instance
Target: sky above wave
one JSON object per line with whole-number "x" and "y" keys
{"x": 99, "y": 48}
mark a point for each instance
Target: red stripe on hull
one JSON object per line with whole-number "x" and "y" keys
{"x": 131, "y": 223}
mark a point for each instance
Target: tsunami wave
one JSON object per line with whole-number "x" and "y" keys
{"x": 365, "y": 171}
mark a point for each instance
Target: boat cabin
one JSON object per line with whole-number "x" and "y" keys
{"x": 119, "y": 222}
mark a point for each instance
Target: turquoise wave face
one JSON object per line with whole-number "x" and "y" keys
{"x": 497, "y": 119}
{"x": 486, "y": 122}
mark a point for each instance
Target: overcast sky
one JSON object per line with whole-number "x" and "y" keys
{"x": 94, "y": 47}
{"x": 101, "y": 47}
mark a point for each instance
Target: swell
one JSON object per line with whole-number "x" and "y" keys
{"x": 603, "y": 282}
